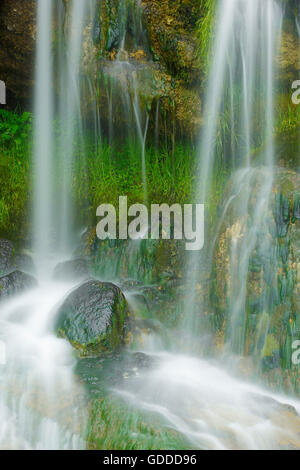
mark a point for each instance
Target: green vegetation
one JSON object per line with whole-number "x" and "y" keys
{"x": 98, "y": 176}
{"x": 205, "y": 32}
{"x": 14, "y": 175}
{"x": 114, "y": 426}
{"x": 114, "y": 171}
{"x": 287, "y": 130}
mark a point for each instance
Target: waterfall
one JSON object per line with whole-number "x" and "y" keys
{"x": 213, "y": 409}
{"x": 43, "y": 137}
{"x": 202, "y": 398}
{"x": 247, "y": 38}
{"x": 53, "y": 212}
{"x": 41, "y": 404}
{"x": 70, "y": 115}
{"x": 123, "y": 86}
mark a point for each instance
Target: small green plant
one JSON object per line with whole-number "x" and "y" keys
{"x": 113, "y": 171}
{"x": 205, "y": 32}
{"x": 14, "y": 128}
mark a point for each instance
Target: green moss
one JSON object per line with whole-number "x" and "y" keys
{"x": 115, "y": 426}
{"x": 205, "y": 33}
{"x": 270, "y": 347}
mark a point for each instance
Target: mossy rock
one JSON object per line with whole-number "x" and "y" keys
{"x": 94, "y": 318}
{"x": 288, "y": 59}
{"x": 272, "y": 281}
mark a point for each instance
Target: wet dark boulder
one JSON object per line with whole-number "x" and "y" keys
{"x": 94, "y": 318}
{"x": 15, "y": 283}
{"x": 77, "y": 269}
{"x": 6, "y": 256}
{"x": 17, "y": 45}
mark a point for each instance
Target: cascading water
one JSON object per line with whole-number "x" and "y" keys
{"x": 41, "y": 405}
{"x": 192, "y": 395}
{"x": 70, "y": 114}
{"x": 41, "y": 402}
{"x": 258, "y": 73}
{"x": 245, "y": 47}
{"x": 213, "y": 409}
{"x": 43, "y": 150}
{"x": 123, "y": 89}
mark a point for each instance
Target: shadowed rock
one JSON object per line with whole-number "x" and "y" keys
{"x": 24, "y": 263}
{"x": 15, "y": 283}
{"x": 6, "y": 256}
{"x": 77, "y": 269}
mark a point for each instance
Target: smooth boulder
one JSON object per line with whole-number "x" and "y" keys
{"x": 94, "y": 318}
{"x": 77, "y": 269}
{"x": 15, "y": 283}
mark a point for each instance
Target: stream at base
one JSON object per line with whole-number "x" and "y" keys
{"x": 211, "y": 408}
{"x": 41, "y": 403}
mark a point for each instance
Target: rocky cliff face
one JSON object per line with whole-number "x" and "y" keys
{"x": 148, "y": 47}
{"x": 160, "y": 46}
{"x": 17, "y": 45}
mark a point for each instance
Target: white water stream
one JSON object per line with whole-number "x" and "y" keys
{"x": 41, "y": 404}
{"x": 212, "y": 408}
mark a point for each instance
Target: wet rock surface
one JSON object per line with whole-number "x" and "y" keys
{"x": 77, "y": 269}
{"x": 15, "y": 283}
{"x": 24, "y": 262}
{"x": 13, "y": 260}
{"x": 94, "y": 318}
{"x": 6, "y": 256}
{"x": 98, "y": 374}
{"x": 271, "y": 311}
{"x": 17, "y": 45}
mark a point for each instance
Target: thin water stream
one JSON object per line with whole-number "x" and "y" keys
{"x": 42, "y": 405}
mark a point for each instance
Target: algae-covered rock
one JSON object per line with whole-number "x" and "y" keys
{"x": 146, "y": 51}
{"x": 257, "y": 265}
{"x": 17, "y": 45}
{"x": 94, "y": 318}
{"x": 15, "y": 283}
{"x": 75, "y": 269}
{"x": 147, "y": 261}
{"x": 288, "y": 60}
